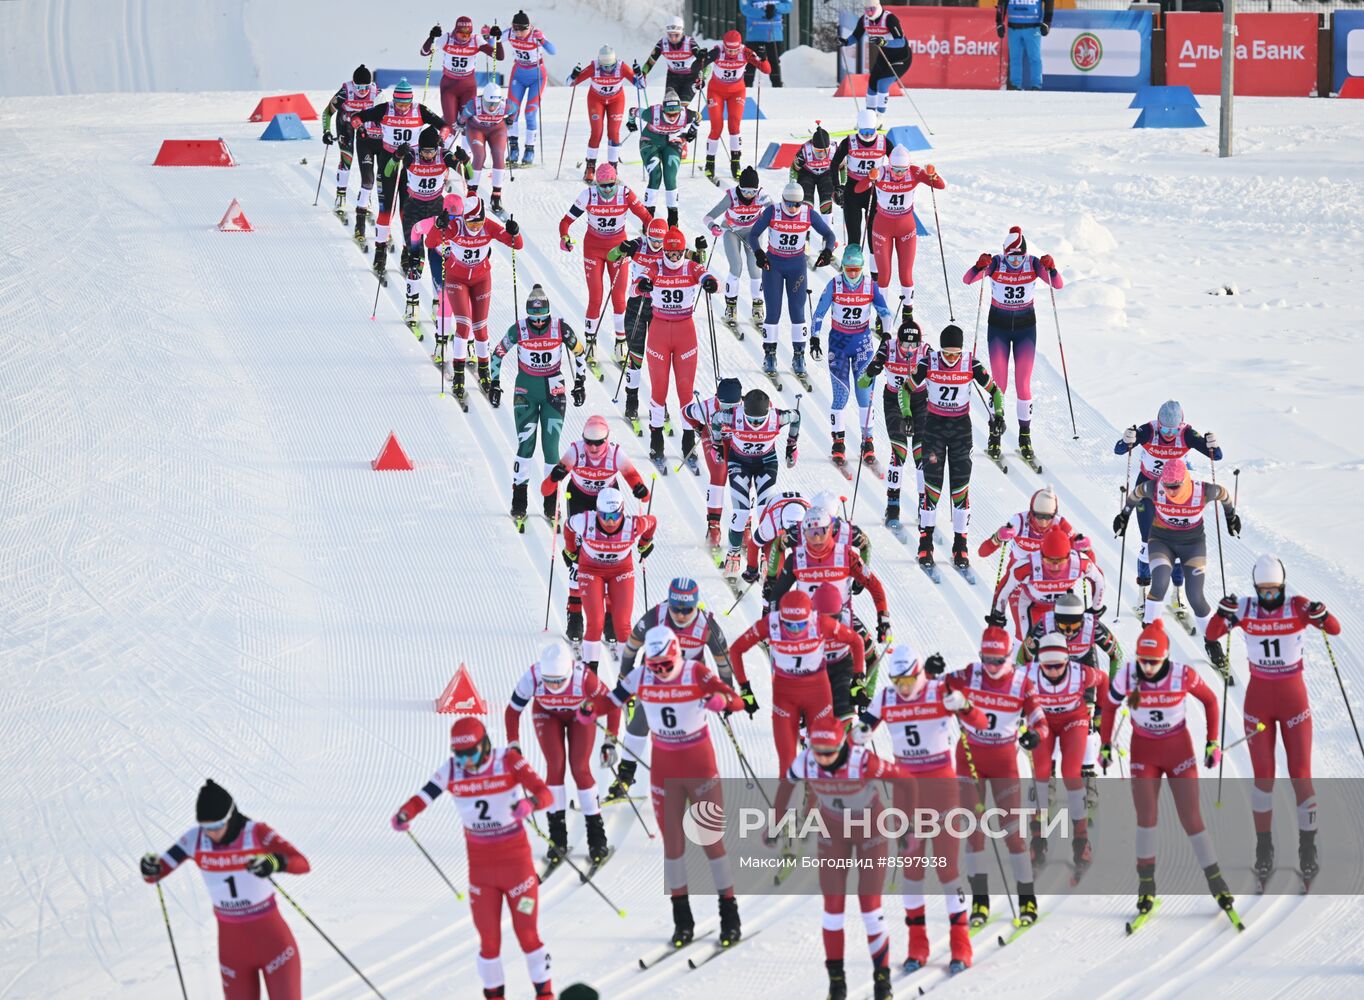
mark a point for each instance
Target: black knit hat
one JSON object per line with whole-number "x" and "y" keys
{"x": 820, "y": 138}
{"x": 214, "y": 803}
{"x": 362, "y": 76}
{"x": 951, "y": 338}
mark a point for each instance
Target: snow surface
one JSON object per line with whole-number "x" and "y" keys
{"x": 205, "y": 578}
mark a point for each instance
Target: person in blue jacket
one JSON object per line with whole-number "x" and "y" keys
{"x": 1027, "y": 21}
{"x": 763, "y": 32}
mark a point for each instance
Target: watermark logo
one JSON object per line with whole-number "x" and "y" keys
{"x": 704, "y": 823}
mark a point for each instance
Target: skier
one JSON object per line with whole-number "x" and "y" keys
{"x": 605, "y": 104}
{"x": 725, "y": 96}
{"x": 825, "y": 556}
{"x": 840, "y": 778}
{"x": 947, "y": 374}
{"x": 1160, "y": 440}
{"x": 989, "y": 753}
{"x": 813, "y": 170}
{"x": 673, "y": 284}
{"x": 629, "y": 348}
{"x": 684, "y": 58}
{"x": 1155, "y": 690}
{"x": 730, "y": 219}
{"x": 1275, "y": 628}
{"x": 892, "y": 225}
{"x": 776, "y": 522}
{"x": 857, "y": 156}
{"x": 485, "y": 128}
{"x": 359, "y": 94}
{"x": 605, "y": 202}
{"x": 1012, "y": 324}
{"x": 852, "y": 296}
{"x": 922, "y": 717}
{"x": 555, "y": 685}
{"x": 484, "y": 781}
{"x": 1179, "y": 536}
{"x": 238, "y": 858}
{"x": 797, "y": 638}
{"x": 1023, "y": 532}
{"x": 751, "y": 431}
{"x": 459, "y": 54}
{"x": 1034, "y": 585}
{"x": 602, "y": 545}
{"x": 421, "y": 197}
{"x": 898, "y": 357}
{"x": 697, "y": 632}
{"x": 1063, "y": 688}
{"x": 526, "y": 83}
{"x": 887, "y": 50}
{"x": 664, "y": 131}
{"x": 675, "y": 695}
{"x": 400, "y": 120}
{"x": 540, "y": 340}
{"x": 778, "y": 239}
{"x": 697, "y": 414}
{"x": 459, "y": 241}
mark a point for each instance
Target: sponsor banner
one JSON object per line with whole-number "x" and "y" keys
{"x": 953, "y": 47}
{"x": 1347, "y": 36}
{"x": 1276, "y": 54}
{"x": 1097, "y": 50}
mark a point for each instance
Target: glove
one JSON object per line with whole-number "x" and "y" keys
{"x": 607, "y": 754}
{"x": 461, "y": 157}
{"x": 1006, "y": 533}
{"x": 861, "y": 697}
{"x": 864, "y": 381}
{"x": 404, "y": 153}
{"x": 644, "y": 285}
{"x": 629, "y": 247}
{"x": 495, "y": 396}
{"x": 1047, "y": 263}
{"x": 494, "y": 32}
{"x": 999, "y": 30}
{"x": 1229, "y": 605}
{"x": 770, "y": 10}
{"x": 579, "y": 391}
{"x": 935, "y": 665}
{"x": 995, "y": 618}
{"x": 769, "y": 586}
{"x": 843, "y": 43}
{"x": 586, "y": 711}
{"x": 750, "y": 700}
{"x": 1046, "y": 29}
{"x": 634, "y": 68}
{"x": 955, "y": 701}
{"x": 399, "y": 822}
{"x": 328, "y": 138}
{"x": 715, "y": 230}
{"x": 645, "y": 550}
{"x": 1120, "y": 523}
{"x": 690, "y": 134}
{"x": 838, "y": 194}
{"x": 522, "y": 809}
{"x": 1316, "y": 613}
{"x": 1081, "y": 543}
{"x": 791, "y": 452}
{"x": 701, "y": 243}
{"x": 631, "y": 124}
{"x": 816, "y": 348}
{"x": 1212, "y": 753}
{"x": 983, "y": 261}
{"x": 434, "y": 34}
{"x": 710, "y": 285}
{"x": 1210, "y": 439}
{"x": 876, "y": 40}
{"x": 640, "y": 491}
{"x": 760, "y": 255}
{"x": 882, "y": 626}
{"x": 151, "y": 866}
{"x": 825, "y": 258}
{"x": 443, "y": 221}
{"x": 565, "y": 243}
{"x": 997, "y": 425}
{"x": 1233, "y": 524}
{"x": 860, "y": 734}
{"x": 715, "y": 703}
{"x": 1106, "y": 757}
{"x": 509, "y": 119}
{"x": 265, "y": 865}
{"x": 1129, "y": 437}
{"x": 1028, "y": 739}
{"x": 514, "y": 745}
{"x": 573, "y": 75}
{"x": 1098, "y": 611}
{"x": 570, "y": 557}
{"x": 513, "y": 227}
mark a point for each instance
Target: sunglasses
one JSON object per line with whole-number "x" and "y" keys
{"x": 799, "y": 626}
{"x": 606, "y": 190}
{"x": 950, "y": 356}
{"x": 994, "y": 661}
{"x": 594, "y": 442}
{"x": 1149, "y": 664}
{"x": 1070, "y": 628}
{"x": 1043, "y": 517}
{"x": 467, "y": 756}
{"x": 748, "y": 192}
{"x": 1269, "y": 592}
{"x": 1168, "y": 431}
{"x": 611, "y": 516}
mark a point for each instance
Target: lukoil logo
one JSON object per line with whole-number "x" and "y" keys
{"x": 1086, "y": 51}
{"x": 704, "y": 823}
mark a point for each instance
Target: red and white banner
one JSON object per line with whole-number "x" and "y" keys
{"x": 954, "y": 47}
{"x": 1276, "y": 54}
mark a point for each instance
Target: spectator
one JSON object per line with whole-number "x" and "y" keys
{"x": 1027, "y": 21}
{"x": 763, "y": 34}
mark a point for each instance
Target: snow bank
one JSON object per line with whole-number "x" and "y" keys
{"x": 804, "y": 66}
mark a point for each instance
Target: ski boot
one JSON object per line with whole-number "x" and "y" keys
{"x": 608, "y": 630}
{"x": 597, "y": 848}
{"x": 798, "y": 359}
{"x": 1025, "y": 444}
{"x": 456, "y": 377}
{"x": 1091, "y": 779}
{"x": 380, "y": 258}
{"x": 1027, "y": 905}
{"x": 631, "y": 404}
{"x": 574, "y": 628}
{"x": 528, "y": 156}
{"x": 1217, "y": 655}
{"x": 961, "y": 557}
{"x": 734, "y": 167}
{"x": 495, "y": 202}
{"x": 485, "y": 374}
{"x": 656, "y": 444}
{"x": 544, "y": 991}
{"x": 552, "y": 505}
{"x": 713, "y": 530}
{"x": 495, "y": 993}
{"x": 339, "y": 209}
{"x": 732, "y": 560}
{"x": 558, "y": 837}
{"x": 589, "y": 171}
{"x": 1146, "y": 888}
{"x": 410, "y": 308}
{"x": 839, "y": 451}
{"x": 1082, "y": 855}
{"x": 758, "y": 312}
{"x": 513, "y": 150}
{"x": 590, "y": 347}
{"x": 769, "y": 359}
{"x": 709, "y": 168}
{"x": 925, "y": 546}
{"x": 1264, "y": 857}
{"x": 731, "y": 313}
{"x": 1308, "y": 865}
{"x": 868, "y": 451}
{"x": 892, "y": 506}
{"x": 918, "y": 939}
{"x": 730, "y": 930}
{"x": 1038, "y": 845}
{"x": 1217, "y": 885}
{"x": 838, "y": 982}
{"x": 360, "y": 214}
{"x": 960, "y": 938}
{"x": 980, "y": 885}
{"x": 620, "y": 350}
{"x": 672, "y": 215}
{"x": 625, "y": 777}
{"x": 684, "y": 927}
{"x": 880, "y": 976}
{"x": 519, "y": 500}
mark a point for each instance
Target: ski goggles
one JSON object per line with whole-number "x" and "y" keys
{"x": 465, "y": 758}
{"x": 749, "y": 193}
{"x": 1014, "y": 259}
{"x": 867, "y": 134}
{"x": 853, "y": 274}
{"x": 1042, "y": 518}
{"x": 672, "y": 110}
{"x": 1069, "y": 629}
{"x": 819, "y": 534}
{"x": 403, "y": 104}
{"x": 951, "y": 356}
{"x": 794, "y": 627}
{"x": 427, "y": 154}
{"x": 1149, "y": 665}
{"x": 594, "y": 442}
{"x": 1168, "y": 432}
{"x": 610, "y": 516}
{"x": 993, "y": 661}
{"x": 221, "y": 824}
{"x": 826, "y": 755}
{"x": 607, "y": 190}
{"x": 1269, "y": 593}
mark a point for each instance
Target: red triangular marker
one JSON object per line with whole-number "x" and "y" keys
{"x": 234, "y": 219}
{"x": 392, "y": 457}
{"x": 460, "y": 697}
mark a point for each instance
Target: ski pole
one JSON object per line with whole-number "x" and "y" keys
{"x": 738, "y": 599}
{"x": 714, "y": 348}
{"x": 564, "y": 857}
{"x": 852, "y": 507}
{"x": 320, "y": 931}
{"x": 429, "y": 58}
{"x": 758, "y": 115}
{"x": 458, "y": 895}
{"x": 321, "y": 173}
{"x": 573, "y": 96}
{"x": 843, "y": 64}
{"x": 933, "y": 192}
{"x": 174, "y": 953}
{"x": 1217, "y": 521}
{"x": 1259, "y": 728}
{"x": 980, "y": 809}
{"x": 1344, "y": 697}
{"x": 378, "y": 275}
{"x": 980, "y": 304}
{"x": 516, "y": 295}
{"x": 553, "y": 534}
{"x": 999, "y": 569}
{"x": 1074, "y": 434}
{"x": 441, "y": 339}
{"x": 743, "y": 761}
{"x": 700, "y": 84}
{"x": 638, "y": 815}
{"x": 643, "y": 562}
{"x": 904, "y": 88}
{"x": 1122, "y": 550}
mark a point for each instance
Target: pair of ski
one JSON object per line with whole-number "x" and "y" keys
{"x": 716, "y": 949}
{"x": 800, "y": 377}
{"x": 994, "y": 454}
{"x": 845, "y": 467}
{"x": 1262, "y": 881}
{"x": 734, "y": 328}
{"x": 1139, "y": 921}
{"x": 555, "y": 861}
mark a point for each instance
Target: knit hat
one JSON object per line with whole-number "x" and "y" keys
{"x": 403, "y": 91}
{"x": 214, "y": 803}
{"x": 1015, "y": 243}
{"x": 1153, "y": 643}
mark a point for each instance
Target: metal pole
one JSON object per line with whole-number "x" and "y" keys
{"x": 1228, "y": 68}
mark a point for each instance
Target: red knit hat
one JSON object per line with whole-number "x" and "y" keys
{"x": 1153, "y": 643}
{"x": 1015, "y": 243}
